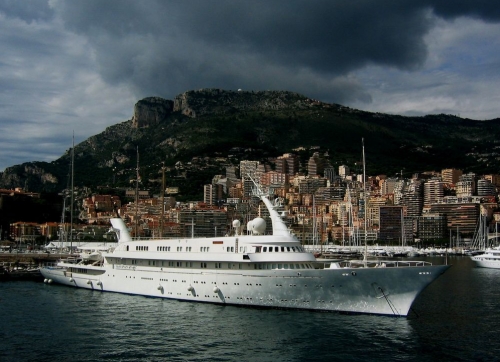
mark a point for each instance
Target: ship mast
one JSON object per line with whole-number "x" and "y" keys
{"x": 137, "y": 195}
{"x": 162, "y": 199}
{"x": 365, "y": 199}
{"x": 72, "y": 194}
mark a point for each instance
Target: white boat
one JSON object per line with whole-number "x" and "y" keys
{"x": 489, "y": 259}
{"x": 249, "y": 270}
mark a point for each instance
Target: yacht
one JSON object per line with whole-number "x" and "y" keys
{"x": 489, "y": 259}
{"x": 248, "y": 269}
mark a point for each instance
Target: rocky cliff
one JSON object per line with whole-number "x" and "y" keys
{"x": 150, "y": 111}
{"x": 202, "y": 102}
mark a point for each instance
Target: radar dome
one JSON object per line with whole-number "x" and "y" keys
{"x": 236, "y": 223}
{"x": 258, "y": 226}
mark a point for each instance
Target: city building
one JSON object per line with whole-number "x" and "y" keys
{"x": 466, "y": 186}
{"x": 393, "y": 228}
{"x": 344, "y": 171}
{"x": 315, "y": 165}
{"x": 460, "y": 216}
{"x": 288, "y": 163}
{"x": 485, "y": 188}
{"x": 450, "y": 175}
{"x": 433, "y": 191}
{"x": 431, "y": 227}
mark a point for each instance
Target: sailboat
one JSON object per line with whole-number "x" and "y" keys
{"x": 63, "y": 243}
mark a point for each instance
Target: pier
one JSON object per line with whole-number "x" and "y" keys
{"x": 25, "y": 266}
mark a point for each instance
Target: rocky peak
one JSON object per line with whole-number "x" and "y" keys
{"x": 150, "y": 111}
{"x": 197, "y": 103}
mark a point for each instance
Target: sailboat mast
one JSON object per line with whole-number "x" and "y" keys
{"x": 162, "y": 199}
{"x": 365, "y": 199}
{"x": 137, "y": 195}
{"x": 72, "y": 193}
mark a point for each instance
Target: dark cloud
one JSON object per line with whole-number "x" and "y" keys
{"x": 27, "y": 10}
{"x": 167, "y": 47}
{"x": 486, "y": 10}
{"x": 81, "y": 65}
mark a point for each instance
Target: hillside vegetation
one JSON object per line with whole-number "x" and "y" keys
{"x": 210, "y": 125}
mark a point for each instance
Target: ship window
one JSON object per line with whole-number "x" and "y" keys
{"x": 297, "y": 266}
{"x": 270, "y": 249}
{"x": 288, "y": 248}
{"x": 280, "y": 266}
{"x": 265, "y": 249}
{"x": 260, "y": 266}
{"x": 291, "y": 266}
{"x": 293, "y": 249}
{"x": 282, "y": 249}
{"x": 239, "y": 265}
{"x": 257, "y": 249}
{"x": 274, "y": 266}
{"x": 229, "y": 265}
{"x": 232, "y": 249}
{"x": 285, "y": 266}
{"x": 127, "y": 247}
{"x": 303, "y": 266}
{"x": 276, "y": 249}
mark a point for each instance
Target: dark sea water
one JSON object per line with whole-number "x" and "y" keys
{"x": 457, "y": 318}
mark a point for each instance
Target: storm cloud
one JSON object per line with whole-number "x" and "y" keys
{"x": 81, "y": 65}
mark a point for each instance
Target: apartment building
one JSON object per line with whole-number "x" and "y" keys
{"x": 288, "y": 163}
{"x": 459, "y": 216}
{"x": 450, "y": 175}
{"x": 433, "y": 191}
{"x": 431, "y": 227}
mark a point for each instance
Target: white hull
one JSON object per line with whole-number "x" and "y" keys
{"x": 488, "y": 264}
{"x": 354, "y": 290}
{"x": 490, "y": 259}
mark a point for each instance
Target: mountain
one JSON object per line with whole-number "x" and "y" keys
{"x": 200, "y": 131}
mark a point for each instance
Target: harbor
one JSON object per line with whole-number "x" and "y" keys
{"x": 459, "y": 325}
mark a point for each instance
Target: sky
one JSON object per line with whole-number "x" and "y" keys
{"x": 76, "y": 67}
